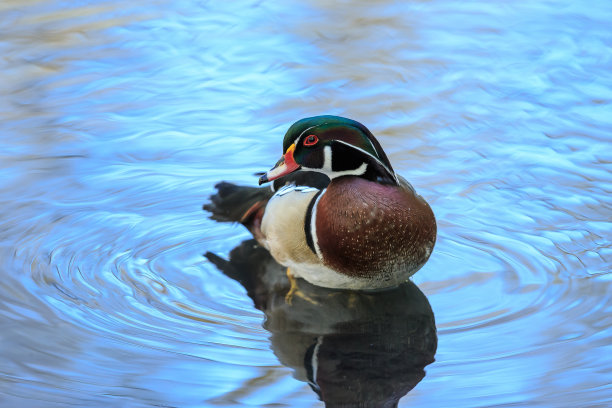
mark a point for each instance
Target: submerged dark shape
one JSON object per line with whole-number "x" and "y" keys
{"x": 338, "y": 215}
{"x": 354, "y": 348}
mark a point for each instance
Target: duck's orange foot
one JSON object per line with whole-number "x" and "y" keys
{"x": 295, "y": 290}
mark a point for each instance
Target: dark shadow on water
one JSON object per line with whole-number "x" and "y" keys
{"x": 353, "y": 348}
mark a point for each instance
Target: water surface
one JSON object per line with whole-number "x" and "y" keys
{"x": 117, "y": 119}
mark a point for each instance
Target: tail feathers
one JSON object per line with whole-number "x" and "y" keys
{"x": 241, "y": 204}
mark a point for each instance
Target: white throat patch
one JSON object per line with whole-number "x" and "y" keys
{"x": 327, "y": 159}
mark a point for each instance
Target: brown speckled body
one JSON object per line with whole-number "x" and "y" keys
{"x": 370, "y": 230}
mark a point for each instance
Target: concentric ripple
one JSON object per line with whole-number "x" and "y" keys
{"x": 114, "y": 288}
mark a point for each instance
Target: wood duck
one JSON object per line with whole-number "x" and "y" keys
{"x": 337, "y": 214}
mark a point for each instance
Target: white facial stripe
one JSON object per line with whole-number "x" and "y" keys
{"x": 302, "y": 134}
{"x": 313, "y": 226}
{"x": 372, "y": 144}
{"x": 359, "y": 171}
{"x": 372, "y": 156}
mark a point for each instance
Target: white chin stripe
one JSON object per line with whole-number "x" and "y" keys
{"x": 327, "y": 160}
{"x": 359, "y": 171}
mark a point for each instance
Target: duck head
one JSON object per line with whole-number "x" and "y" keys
{"x": 334, "y": 146}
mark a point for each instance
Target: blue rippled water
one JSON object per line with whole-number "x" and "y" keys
{"x": 116, "y": 121}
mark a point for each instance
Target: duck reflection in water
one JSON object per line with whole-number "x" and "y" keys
{"x": 354, "y": 348}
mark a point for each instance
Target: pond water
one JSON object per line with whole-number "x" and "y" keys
{"x": 117, "y": 119}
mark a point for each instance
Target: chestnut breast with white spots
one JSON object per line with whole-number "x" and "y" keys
{"x": 368, "y": 230}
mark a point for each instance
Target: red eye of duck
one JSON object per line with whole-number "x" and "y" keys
{"x": 311, "y": 140}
